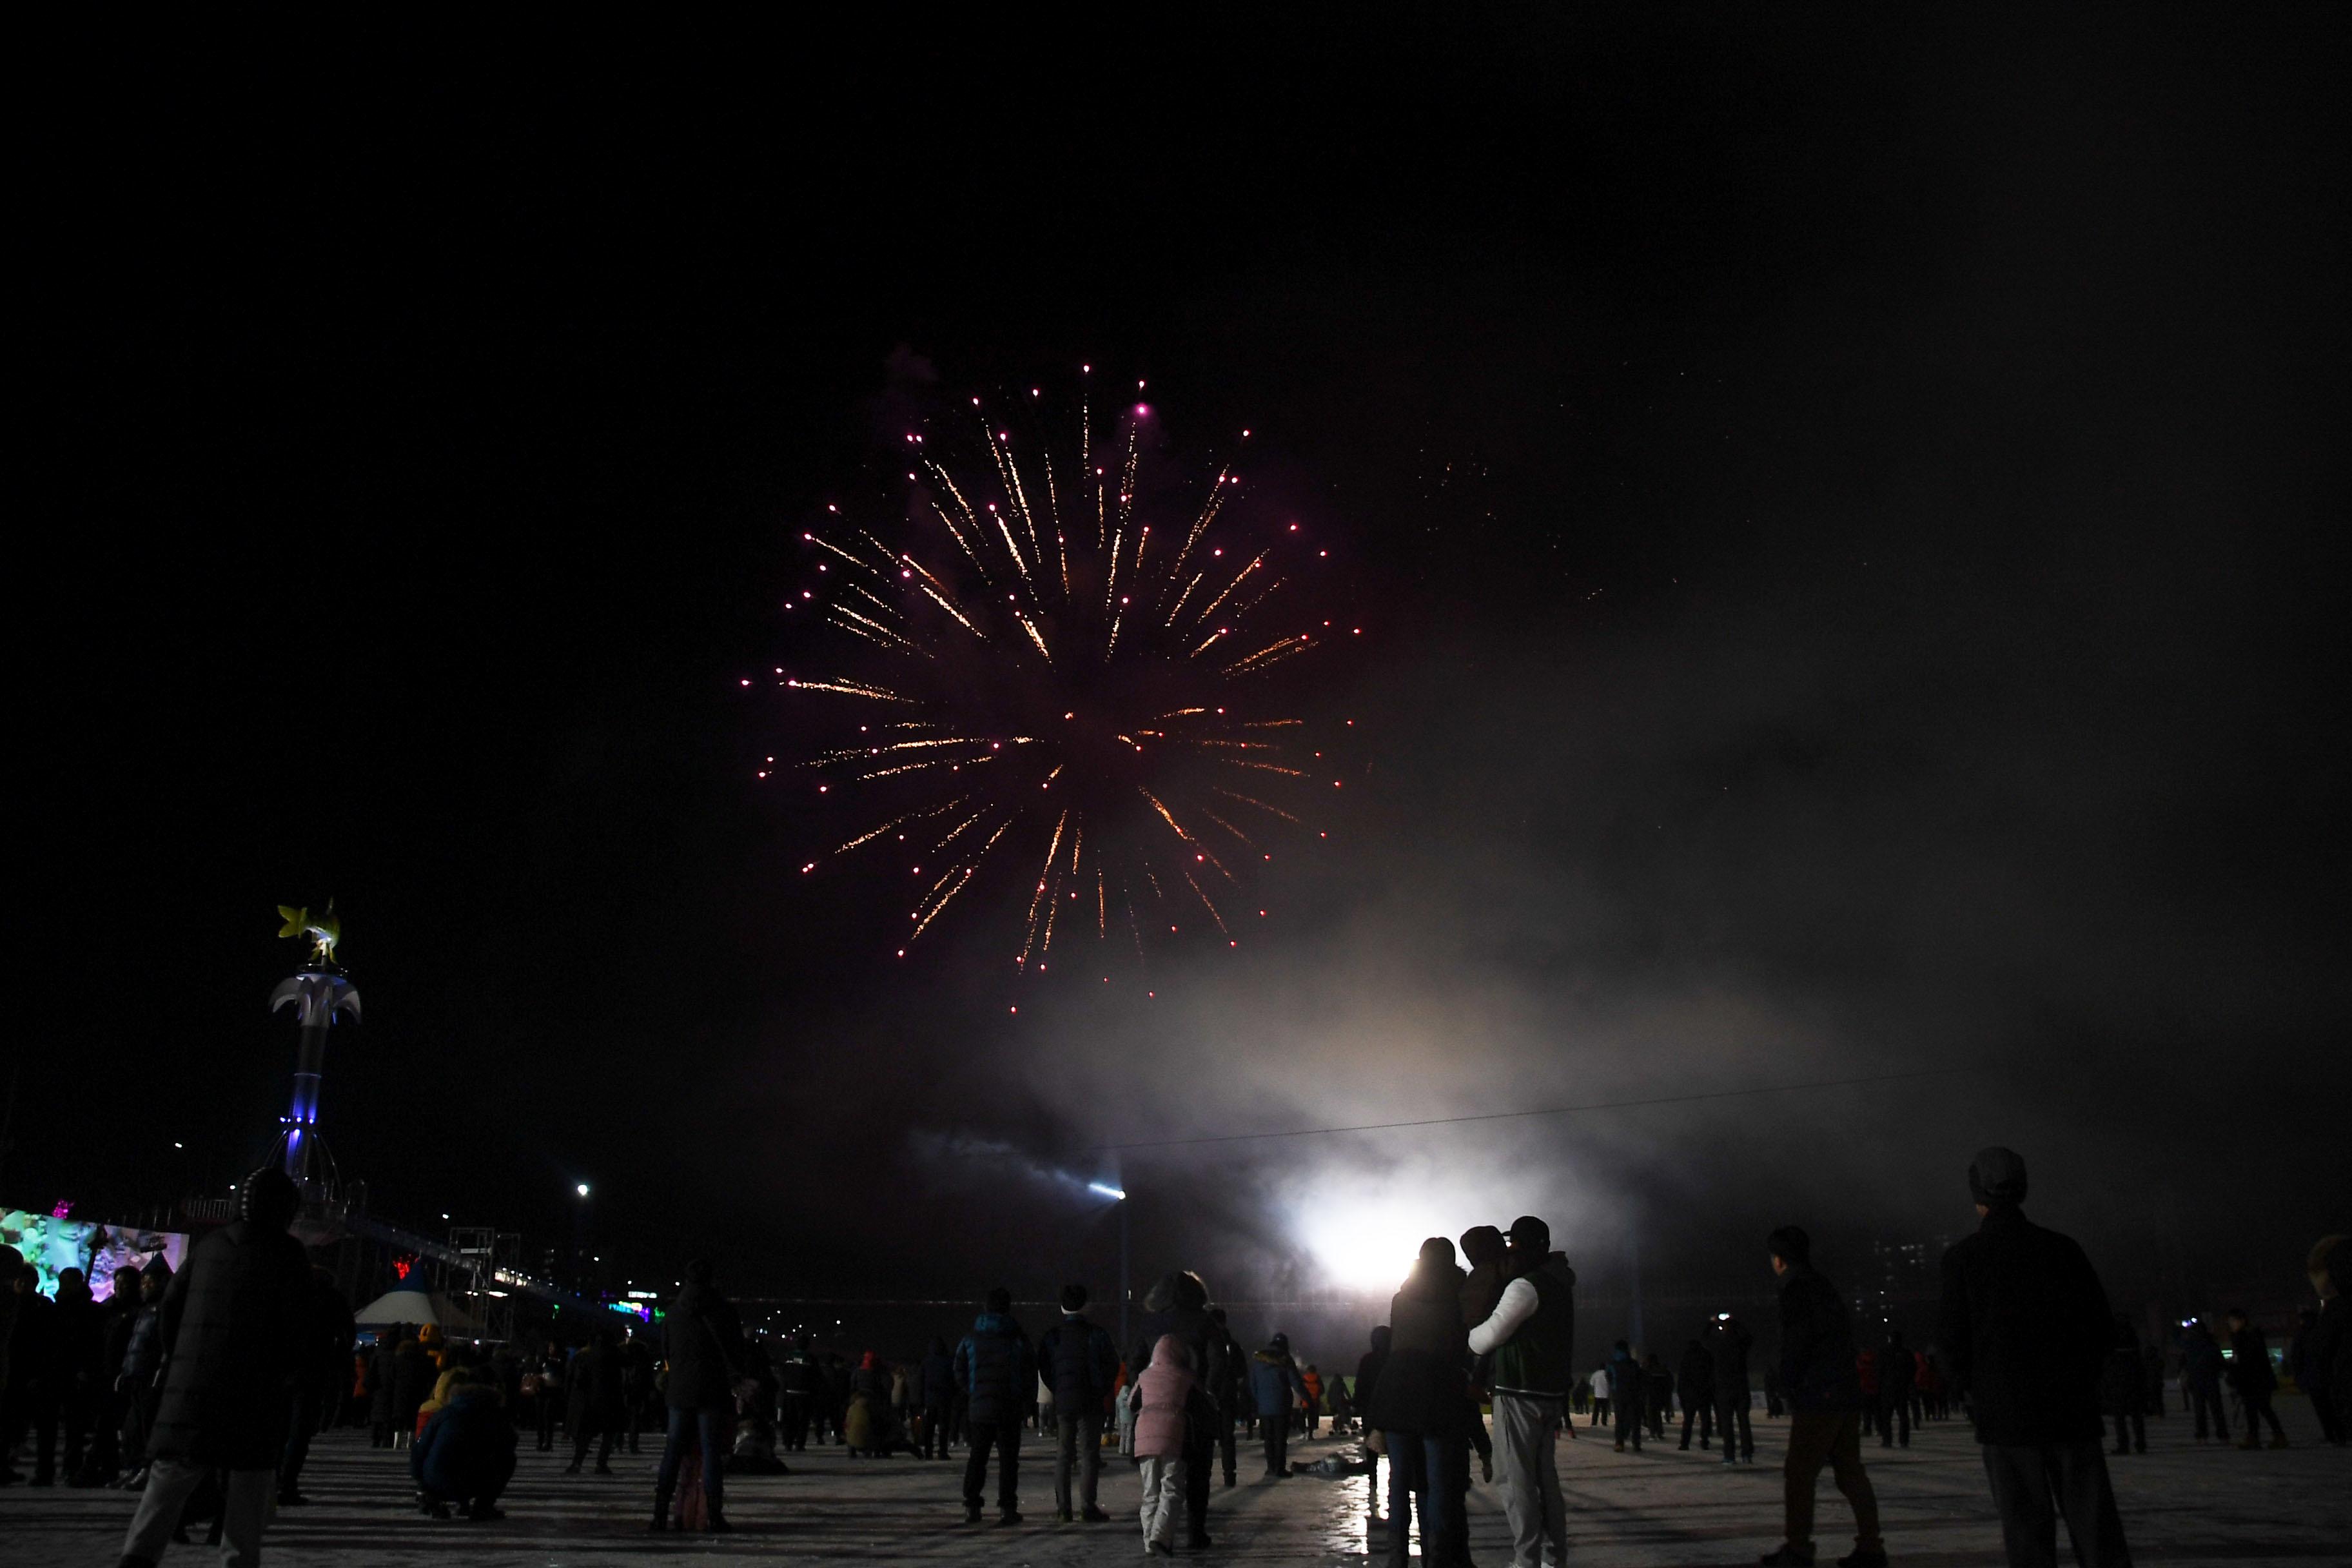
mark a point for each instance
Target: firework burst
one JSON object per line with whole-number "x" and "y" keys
{"x": 1055, "y": 678}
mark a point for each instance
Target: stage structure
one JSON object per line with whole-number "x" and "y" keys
{"x": 318, "y": 993}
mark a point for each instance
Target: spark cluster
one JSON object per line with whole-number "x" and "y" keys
{"x": 1053, "y": 677}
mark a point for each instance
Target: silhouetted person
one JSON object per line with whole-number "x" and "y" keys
{"x": 2200, "y": 1379}
{"x": 233, "y": 1327}
{"x": 2122, "y": 1386}
{"x": 28, "y": 1403}
{"x": 1081, "y": 1364}
{"x": 937, "y": 1392}
{"x": 1694, "y": 1377}
{"x": 597, "y": 1391}
{"x": 2026, "y": 1331}
{"x": 1897, "y": 1371}
{"x": 2329, "y": 1349}
{"x": 1228, "y": 1399}
{"x": 704, "y": 1341}
{"x": 1628, "y": 1394}
{"x": 1531, "y": 1337}
{"x": 2253, "y": 1378}
{"x": 323, "y": 1366}
{"x": 997, "y": 1372}
{"x": 1728, "y": 1345}
{"x": 1275, "y": 1383}
{"x": 1368, "y": 1378}
{"x": 1818, "y": 1378}
{"x": 1419, "y": 1404}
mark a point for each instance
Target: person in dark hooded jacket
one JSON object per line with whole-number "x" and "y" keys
{"x": 2253, "y": 1378}
{"x": 1824, "y": 1393}
{"x": 1275, "y": 1383}
{"x": 996, "y": 1372}
{"x": 1182, "y": 1301}
{"x": 321, "y": 1368}
{"x": 1368, "y": 1378}
{"x": 1727, "y": 1346}
{"x": 597, "y": 1392}
{"x": 1898, "y": 1370}
{"x": 232, "y": 1329}
{"x": 2328, "y": 1352}
{"x": 704, "y": 1341}
{"x": 1695, "y": 1380}
{"x": 937, "y": 1392}
{"x": 2026, "y": 1330}
{"x": 1421, "y": 1401}
{"x": 1228, "y": 1400}
{"x": 2122, "y": 1390}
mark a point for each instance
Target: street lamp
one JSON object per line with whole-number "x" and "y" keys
{"x": 1118, "y": 1196}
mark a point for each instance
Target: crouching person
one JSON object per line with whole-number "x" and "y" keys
{"x": 465, "y": 1455}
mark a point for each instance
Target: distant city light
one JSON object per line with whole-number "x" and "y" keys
{"x": 582, "y": 1189}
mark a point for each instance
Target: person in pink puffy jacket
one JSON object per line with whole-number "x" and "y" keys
{"x": 1161, "y": 1393}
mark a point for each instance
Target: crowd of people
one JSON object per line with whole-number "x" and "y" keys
{"x": 201, "y": 1390}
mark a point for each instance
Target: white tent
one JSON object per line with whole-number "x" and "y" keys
{"x": 415, "y": 1308}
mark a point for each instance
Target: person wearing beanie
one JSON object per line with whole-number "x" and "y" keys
{"x": 2026, "y": 1332}
{"x": 1818, "y": 1377}
{"x": 232, "y": 1325}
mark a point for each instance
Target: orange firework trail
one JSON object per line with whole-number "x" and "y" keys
{"x": 1082, "y": 696}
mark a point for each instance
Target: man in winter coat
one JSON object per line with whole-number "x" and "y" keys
{"x": 2200, "y": 1378}
{"x": 2121, "y": 1384}
{"x": 1898, "y": 1370}
{"x": 321, "y": 1368}
{"x": 465, "y": 1455}
{"x": 1727, "y": 1344}
{"x": 81, "y": 1357}
{"x": 1422, "y": 1403}
{"x": 936, "y": 1388}
{"x": 1531, "y": 1335}
{"x": 705, "y": 1345}
{"x": 2026, "y": 1330}
{"x": 1081, "y": 1364}
{"x": 1694, "y": 1377}
{"x": 1629, "y": 1395}
{"x": 142, "y": 1364}
{"x": 29, "y": 1397}
{"x": 1819, "y": 1380}
{"x": 2253, "y": 1378}
{"x": 117, "y": 1318}
{"x": 232, "y": 1322}
{"x": 1368, "y": 1378}
{"x": 1275, "y": 1382}
{"x": 1227, "y": 1400}
{"x": 596, "y": 1390}
{"x": 996, "y": 1372}
{"x": 1182, "y": 1300}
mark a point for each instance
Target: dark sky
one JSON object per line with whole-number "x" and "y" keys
{"x": 1849, "y": 509}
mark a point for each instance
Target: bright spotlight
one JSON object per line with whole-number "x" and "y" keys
{"x": 1106, "y": 1190}
{"x": 582, "y": 1189}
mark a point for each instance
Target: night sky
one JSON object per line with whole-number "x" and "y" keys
{"x": 1847, "y": 514}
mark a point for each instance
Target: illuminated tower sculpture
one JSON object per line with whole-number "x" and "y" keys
{"x": 318, "y": 992}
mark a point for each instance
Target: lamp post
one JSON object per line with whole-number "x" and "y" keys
{"x": 579, "y": 1231}
{"x": 1117, "y": 1196}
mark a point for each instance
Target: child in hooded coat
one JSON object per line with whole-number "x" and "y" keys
{"x": 1162, "y": 1391}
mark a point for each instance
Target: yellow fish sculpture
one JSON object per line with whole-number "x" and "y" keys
{"x": 324, "y": 932}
